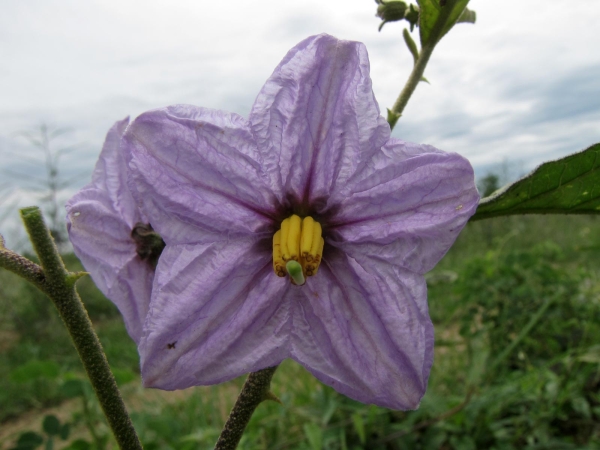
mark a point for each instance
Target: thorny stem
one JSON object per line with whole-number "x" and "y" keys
{"x": 255, "y": 391}
{"x": 59, "y": 285}
{"x": 420, "y": 64}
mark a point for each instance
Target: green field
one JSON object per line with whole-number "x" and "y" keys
{"x": 516, "y": 307}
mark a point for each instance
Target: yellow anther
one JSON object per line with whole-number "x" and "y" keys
{"x": 298, "y": 240}
{"x": 293, "y": 239}
{"x": 285, "y": 231}
{"x": 316, "y": 242}
{"x": 319, "y": 255}
{"x": 308, "y": 226}
{"x": 312, "y": 267}
{"x": 278, "y": 262}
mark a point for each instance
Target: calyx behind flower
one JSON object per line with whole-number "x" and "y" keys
{"x": 149, "y": 244}
{"x": 298, "y": 240}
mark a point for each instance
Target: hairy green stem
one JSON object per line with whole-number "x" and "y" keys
{"x": 59, "y": 285}
{"x": 256, "y": 390}
{"x": 420, "y": 64}
{"x": 22, "y": 267}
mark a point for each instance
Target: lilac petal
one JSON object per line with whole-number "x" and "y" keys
{"x": 100, "y": 218}
{"x": 195, "y": 172}
{"x": 218, "y": 311}
{"x": 110, "y": 174}
{"x": 316, "y": 120}
{"x": 365, "y": 331}
{"x": 407, "y": 207}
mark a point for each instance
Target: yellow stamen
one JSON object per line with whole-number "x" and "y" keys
{"x": 293, "y": 240}
{"x": 298, "y": 240}
{"x": 319, "y": 256}
{"x": 278, "y": 262}
{"x": 285, "y": 231}
{"x": 316, "y": 242}
{"x": 308, "y": 225}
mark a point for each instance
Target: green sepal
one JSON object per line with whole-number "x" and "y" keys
{"x": 569, "y": 185}
{"x": 410, "y": 43}
{"x": 412, "y": 16}
{"x": 392, "y": 118}
{"x": 467, "y": 16}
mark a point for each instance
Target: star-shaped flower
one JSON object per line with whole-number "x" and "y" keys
{"x": 310, "y": 186}
{"x": 111, "y": 236}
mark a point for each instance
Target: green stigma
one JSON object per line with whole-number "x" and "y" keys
{"x": 294, "y": 269}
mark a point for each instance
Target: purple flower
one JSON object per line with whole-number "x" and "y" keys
{"x": 219, "y": 188}
{"x": 111, "y": 236}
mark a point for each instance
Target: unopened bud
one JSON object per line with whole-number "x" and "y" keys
{"x": 392, "y": 10}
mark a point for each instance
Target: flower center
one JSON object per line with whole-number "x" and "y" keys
{"x": 297, "y": 245}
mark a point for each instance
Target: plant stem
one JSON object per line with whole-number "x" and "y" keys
{"x": 420, "y": 64}
{"x": 21, "y": 266}
{"x": 255, "y": 390}
{"x": 59, "y": 285}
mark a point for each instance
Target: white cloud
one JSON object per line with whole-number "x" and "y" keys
{"x": 520, "y": 85}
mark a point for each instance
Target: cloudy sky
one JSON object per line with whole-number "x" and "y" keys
{"x": 519, "y": 87}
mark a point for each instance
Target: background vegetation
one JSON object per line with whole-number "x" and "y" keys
{"x": 516, "y": 307}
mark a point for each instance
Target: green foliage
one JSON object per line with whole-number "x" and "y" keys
{"x": 431, "y": 13}
{"x": 29, "y": 441}
{"x": 52, "y": 428}
{"x": 33, "y": 370}
{"x": 36, "y": 353}
{"x": 569, "y": 185}
{"x": 488, "y": 185}
{"x": 51, "y": 425}
{"x": 483, "y": 295}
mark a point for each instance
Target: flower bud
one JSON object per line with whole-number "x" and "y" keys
{"x": 391, "y": 11}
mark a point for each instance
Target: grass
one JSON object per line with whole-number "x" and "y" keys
{"x": 516, "y": 308}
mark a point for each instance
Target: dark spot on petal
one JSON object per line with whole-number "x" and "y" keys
{"x": 171, "y": 345}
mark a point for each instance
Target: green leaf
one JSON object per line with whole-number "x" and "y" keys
{"x": 34, "y": 370}
{"x": 359, "y": 427}
{"x": 65, "y": 430}
{"x": 79, "y": 444}
{"x": 570, "y": 185}
{"x": 314, "y": 434}
{"x": 123, "y": 376}
{"x": 431, "y": 12}
{"x": 29, "y": 440}
{"x": 72, "y": 388}
{"x": 51, "y": 425}
{"x": 410, "y": 43}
